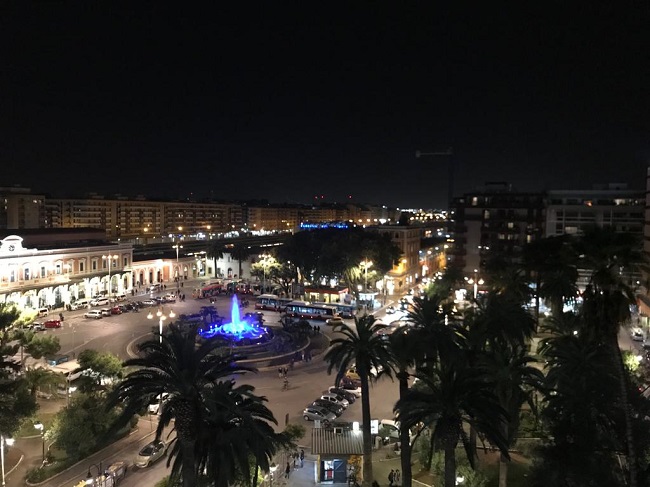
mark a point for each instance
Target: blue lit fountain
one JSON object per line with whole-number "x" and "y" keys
{"x": 237, "y": 330}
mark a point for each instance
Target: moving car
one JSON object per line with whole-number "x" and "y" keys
{"x": 336, "y": 399}
{"x": 36, "y": 326}
{"x": 52, "y": 324}
{"x": 93, "y": 313}
{"x": 637, "y": 335}
{"x": 337, "y": 410}
{"x": 390, "y": 310}
{"x": 349, "y": 395}
{"x": 151, "y": 453}
{"x": 334, "y": 321}
{"x": 313, "y": 413}
{"x": 99, "y": 302}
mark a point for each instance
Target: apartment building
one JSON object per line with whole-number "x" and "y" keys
{"x": 494, "y": 219}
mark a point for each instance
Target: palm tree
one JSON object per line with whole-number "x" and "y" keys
{"x": 37, "y": 377}
{"x": 240, "y": 253}
{"x": 176, "y": 366}
{"x": 436, "y": 329}
{"x": 581, "y": 388}
{"x": 237, "y": 429}
{"x": 363, "y": 346}
{"x": 453, "y": 394}
{"x": 404, "y": 347}
{"x": 516, "y": 381}
{"x": 215, "y": 251}
{"x": 552, "y": 263}
{"x": 607, "y": 299}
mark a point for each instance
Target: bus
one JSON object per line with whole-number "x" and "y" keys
{"x": 344, "y": 310}
{"x": 301, "y": 309}
{"x": 271, "y": 302}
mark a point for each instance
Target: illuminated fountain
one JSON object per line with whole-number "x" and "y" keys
{"x": 237, "y": 330}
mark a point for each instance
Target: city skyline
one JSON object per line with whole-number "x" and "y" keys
{"x": 286, "y": 103}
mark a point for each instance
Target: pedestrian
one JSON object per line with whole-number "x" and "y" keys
{"x": 397, "y": 477}
{"x": 391, "y": 477}
{"x": 280, "y": 373}
{"x": 302, "y": 458}
{"x": 286, "y": 371}
{"x": 295, "y": 459}
{"x": 287, "y": 471}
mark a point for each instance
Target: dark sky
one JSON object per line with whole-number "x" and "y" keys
{"x": 287, "y": 100}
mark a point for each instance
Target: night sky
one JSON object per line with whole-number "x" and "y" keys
{"x": 287, "y": 100}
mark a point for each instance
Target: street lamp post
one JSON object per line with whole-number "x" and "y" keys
{"x": 178, "y": 269}
{"x": 109, "y": 260}
{"x": 4, "y": 441}
{"x": 161, "y": 318}
{"x": 90, "y": 480}
{"x": 40, "y": 427}
{"x": 366, "y": 263}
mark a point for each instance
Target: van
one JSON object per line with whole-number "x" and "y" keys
{"x": 43, "y": 312}
{"x": 99, "y": 302}
{"x": 154, "y": 287}
{"x": 120, "y": 297}
{"x": 79, "y": 304}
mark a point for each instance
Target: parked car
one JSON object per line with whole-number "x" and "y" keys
{"x": 350, "y": 396}
{"x": 99, "y": 302}
{"x": 155, "y": 405}
{"x": 52, "y": 324}
{"x": 337, "y": 410}
{"x": 150, "y": 302}
{"x": 336, "y": 399}
{"x": 35, "y": 326}
{"x": 390, "y": 310}
{"x": 351, "y": 386}
{"x": 637, "y": 335}
{"x": 150, "y": 453}
{"x": 93, "y": 313}
{"x": 313, "y": 413}
{"x": 42, "y": 312}
{"x": 115, "y": 310}
{"x": 105, "y": 311}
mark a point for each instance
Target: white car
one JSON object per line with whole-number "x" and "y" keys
{"x": 637, "y": 335}
{"x": 93, "y": 313}
{"x": 99, "y": 302}
{"x": 149, "y": 454}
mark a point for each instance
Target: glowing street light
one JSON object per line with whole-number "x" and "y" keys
{"x": 161, "y": 318}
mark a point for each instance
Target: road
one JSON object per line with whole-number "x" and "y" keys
{"x": 116, "y": 334}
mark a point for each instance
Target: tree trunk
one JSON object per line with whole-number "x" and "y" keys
{"x": 472, "y": 444}
{"x": 367, "y": 438}
{"x": 404, "y": 436}
{"x": 624, "y": 388}
{"x": 215, "y": 267}
{"x": 503, "y": 470}
{"x": 450, "y": 462}
{"x": 257, "y": 470}
{"x": 189, "y": 471}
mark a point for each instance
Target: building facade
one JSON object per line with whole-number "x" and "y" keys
{"x": 495, "y": 220}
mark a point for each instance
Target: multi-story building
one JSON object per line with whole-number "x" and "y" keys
{"x": 614, "y": 205}
{"x": 406, "y": 273}
{"x": 19, "y": 208}
{"x": 134, "y": 219}
{"x": 496, "y": 219}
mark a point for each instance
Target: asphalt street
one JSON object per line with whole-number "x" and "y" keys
{"x": 118, "y": 333}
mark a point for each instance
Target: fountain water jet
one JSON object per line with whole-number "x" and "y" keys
{"x": 237, "y": 329}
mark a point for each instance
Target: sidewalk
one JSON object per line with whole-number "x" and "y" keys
{"x": 305, "y": 476}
